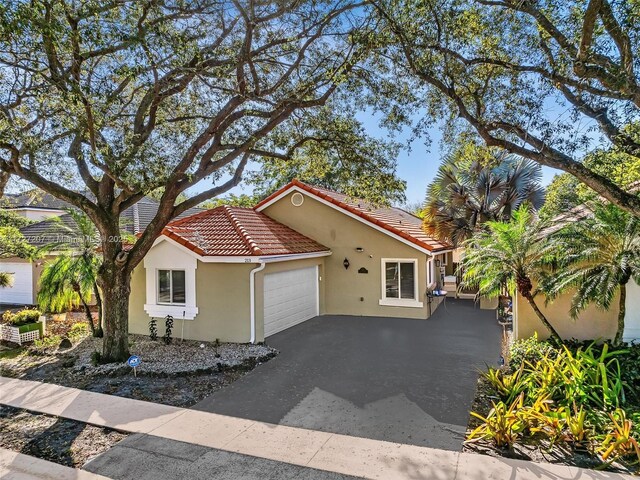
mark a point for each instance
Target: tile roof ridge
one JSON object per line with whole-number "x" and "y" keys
{"x": 244, "y": 235}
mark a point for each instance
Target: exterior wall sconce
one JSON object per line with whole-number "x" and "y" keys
{"x": 437, "y": 263}
{"x": 346, "y": 263}
{"x": 359, "y": 249}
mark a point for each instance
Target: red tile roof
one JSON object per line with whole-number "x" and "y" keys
{"x": 236, "y": 231}
{"x": 392, "y": 219}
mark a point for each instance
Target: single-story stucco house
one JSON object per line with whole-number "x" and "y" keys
{"x": 242, "y": 274}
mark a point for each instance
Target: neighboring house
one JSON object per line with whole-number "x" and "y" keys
{"x": 240, "y": 274}
{"x": 593, "y": 322}
{"x": 57, "y": 230}
{"x": 34, "y": 204}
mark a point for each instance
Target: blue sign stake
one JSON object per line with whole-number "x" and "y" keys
{"x": 133, "y": 362}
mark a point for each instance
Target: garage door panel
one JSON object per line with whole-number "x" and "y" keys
{"x": 21, "y": 292}
{"x": 290, "y": 297}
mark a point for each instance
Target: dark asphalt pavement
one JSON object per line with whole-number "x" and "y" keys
{"x": 401, "y": 380}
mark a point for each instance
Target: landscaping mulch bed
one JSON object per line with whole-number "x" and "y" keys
{"x": 179, "y": 374}
{"x": 58, "y": 440}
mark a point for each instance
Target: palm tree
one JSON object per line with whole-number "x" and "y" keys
{"x": 466, "y": 194}
{"x": 71, "y": 279}
{"x": 509, "y": 254}
{"x": 600, "y": 255}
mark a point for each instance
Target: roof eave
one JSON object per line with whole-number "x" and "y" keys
{"x": 303, "y": 188}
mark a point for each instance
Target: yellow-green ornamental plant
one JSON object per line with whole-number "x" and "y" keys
{"x": 509, "y": 254}
{"x": 503, "y": 425}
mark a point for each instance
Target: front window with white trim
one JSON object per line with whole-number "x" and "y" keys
{"x": 171, "y": 287}
{"x": 400, "y": 282}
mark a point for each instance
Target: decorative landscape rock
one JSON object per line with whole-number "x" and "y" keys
{"x": 65, "y": 344}
{"x": 178, "y": 358}
{"x": 190, "y": 372}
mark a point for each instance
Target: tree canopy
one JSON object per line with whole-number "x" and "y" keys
{"x": 543, "y": 80}
{"x": 565, "y": 191}
{"x": 340, "y": 156}
{"x": 103, "y": 103}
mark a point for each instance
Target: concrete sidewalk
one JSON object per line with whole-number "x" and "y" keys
{"x": 16, "y": 466}
{"x": 359, "y": 457}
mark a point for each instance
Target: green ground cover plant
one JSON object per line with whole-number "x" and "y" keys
{"x": 578, "y": 396}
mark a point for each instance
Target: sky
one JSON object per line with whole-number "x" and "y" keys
{"x": 417, "y": 165}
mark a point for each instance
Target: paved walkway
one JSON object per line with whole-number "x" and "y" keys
{"x": 359, "y": 457}
{"x": 381, "y": 378}
{"x": 16, "y": 466}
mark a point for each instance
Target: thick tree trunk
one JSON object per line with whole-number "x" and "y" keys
{"x": 622, "y": 312}
{"x": 114, "y": 284}
{"x": 524, "y": 287}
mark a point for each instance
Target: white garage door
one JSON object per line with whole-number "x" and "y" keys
{"x": 21, "y": 292}
{"x": 290, "y": 298}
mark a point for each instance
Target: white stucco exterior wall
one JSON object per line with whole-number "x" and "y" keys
{"x": 632, "y": 318}
{"x": 166, "y": 255}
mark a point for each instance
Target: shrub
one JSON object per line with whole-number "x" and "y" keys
{"x": 508, "y": 386}
{"x": 78, "y": 331}
{"x": 7, "y": 316}
{"x": 23, "y": 317}
{"x": 96, "y": 358}
{"x": 153, "y": 329}
{"x": 630, "y": 367}
{"x": 574, "y": 394}
{"x": 619, "y": 441}
{"x": 168, "y": 328}
{"x": 530, "y": 351}
{"x": 42, "y": 344}
{"x": 503, "y": 425}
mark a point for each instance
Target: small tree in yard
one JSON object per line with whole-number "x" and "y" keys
{"x": 510, "y": 254}
{"x": 600, "y": 256}
{"x": 72, "y": 278}
{"x": 118, "y": 99}
{"x": 13, "y": 243}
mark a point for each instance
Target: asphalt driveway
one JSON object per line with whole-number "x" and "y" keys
{"x": 401, "y": 380}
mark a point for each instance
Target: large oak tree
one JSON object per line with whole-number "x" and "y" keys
{"x": 542, "y": 79}
{"x": 102, "y": 102}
